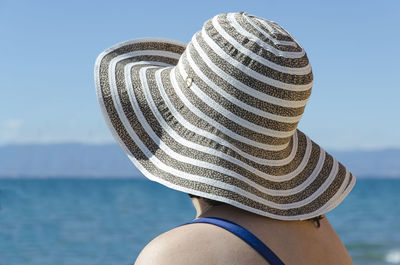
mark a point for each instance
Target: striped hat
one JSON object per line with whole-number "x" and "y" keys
{"x": 218, "y": 117}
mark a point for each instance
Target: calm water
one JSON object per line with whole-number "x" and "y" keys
{"x": 108, "y": 221}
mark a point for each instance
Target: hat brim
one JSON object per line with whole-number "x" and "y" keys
{"x": 172, "y": 142}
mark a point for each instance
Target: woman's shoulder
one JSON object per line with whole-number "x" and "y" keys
{"x": 181, "y": 245}
{"x": 197, "y": 244}
{"x": 201, "y": 243}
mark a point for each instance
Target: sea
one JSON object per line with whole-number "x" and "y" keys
{"x": 108, "y": 221}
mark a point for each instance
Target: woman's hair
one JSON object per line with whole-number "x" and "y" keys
{"x": 216, "y": 203}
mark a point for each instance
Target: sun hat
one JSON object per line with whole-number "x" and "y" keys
{"x": 218, "y": 117}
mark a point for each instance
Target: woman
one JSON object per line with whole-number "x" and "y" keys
{"x": 217, "y": 119}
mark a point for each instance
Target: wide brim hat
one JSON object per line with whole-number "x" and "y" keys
{"x": 218, "y": 117}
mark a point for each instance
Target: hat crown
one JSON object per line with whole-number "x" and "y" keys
{"x": 253, "y": 71}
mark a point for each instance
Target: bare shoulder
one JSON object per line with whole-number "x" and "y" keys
{"x": 197, "y": 244}
{"x": 201, "y": 243}
{"x": 181, "y": 245}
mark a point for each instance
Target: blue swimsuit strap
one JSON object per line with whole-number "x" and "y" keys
{"x": 244, "y": 234}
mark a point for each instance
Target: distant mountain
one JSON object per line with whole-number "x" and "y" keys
{"x": 108, "y": 160}
{"x": 65, "y": 160}
{"x": 384, "y": 163}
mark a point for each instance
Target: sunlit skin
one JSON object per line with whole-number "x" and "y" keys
{"x": 295, "y": 242}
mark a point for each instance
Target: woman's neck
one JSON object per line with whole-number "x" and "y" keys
{"x": 241, "y": 216}
{"x": 223, "y": 211}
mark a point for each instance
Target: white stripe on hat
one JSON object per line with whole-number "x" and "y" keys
{"x": 250, "y": 72}
{"x": 267, "y": 34}
{"x": 341, "y": 193}
{"x": 243, "y": 87}
{"x": 237, "y": 45}
{"x": 219, "y": 126}
{"x": 274, "y": 29}
{"x": 233, "y": 99}
{"x": 234, "y": 23}
{"x": 231, "y": 116}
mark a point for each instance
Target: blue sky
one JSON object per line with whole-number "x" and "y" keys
{"x": 49, "y": 48}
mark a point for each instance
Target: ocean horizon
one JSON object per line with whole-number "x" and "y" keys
{"x": 96, "y": 221}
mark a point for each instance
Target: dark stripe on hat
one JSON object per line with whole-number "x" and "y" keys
{"x": 243, "y": 77}
{"x": 253, "y": 47}
{"x": 159, "y": 46}
{"x": 229, "y": 124}
{"x": 280, "y": 60}
{"x": 234, "y": 91}
{"x": 245, "y": 24}
{"x": 240, "y": 112}
{"x": 104, "y": 82}
{"x": 274, "y": 25}
{"x": 230, "y": 106}
{"x": 350, "y": 180}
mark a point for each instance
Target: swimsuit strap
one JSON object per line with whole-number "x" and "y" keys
{"x": 244, "y": 234}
